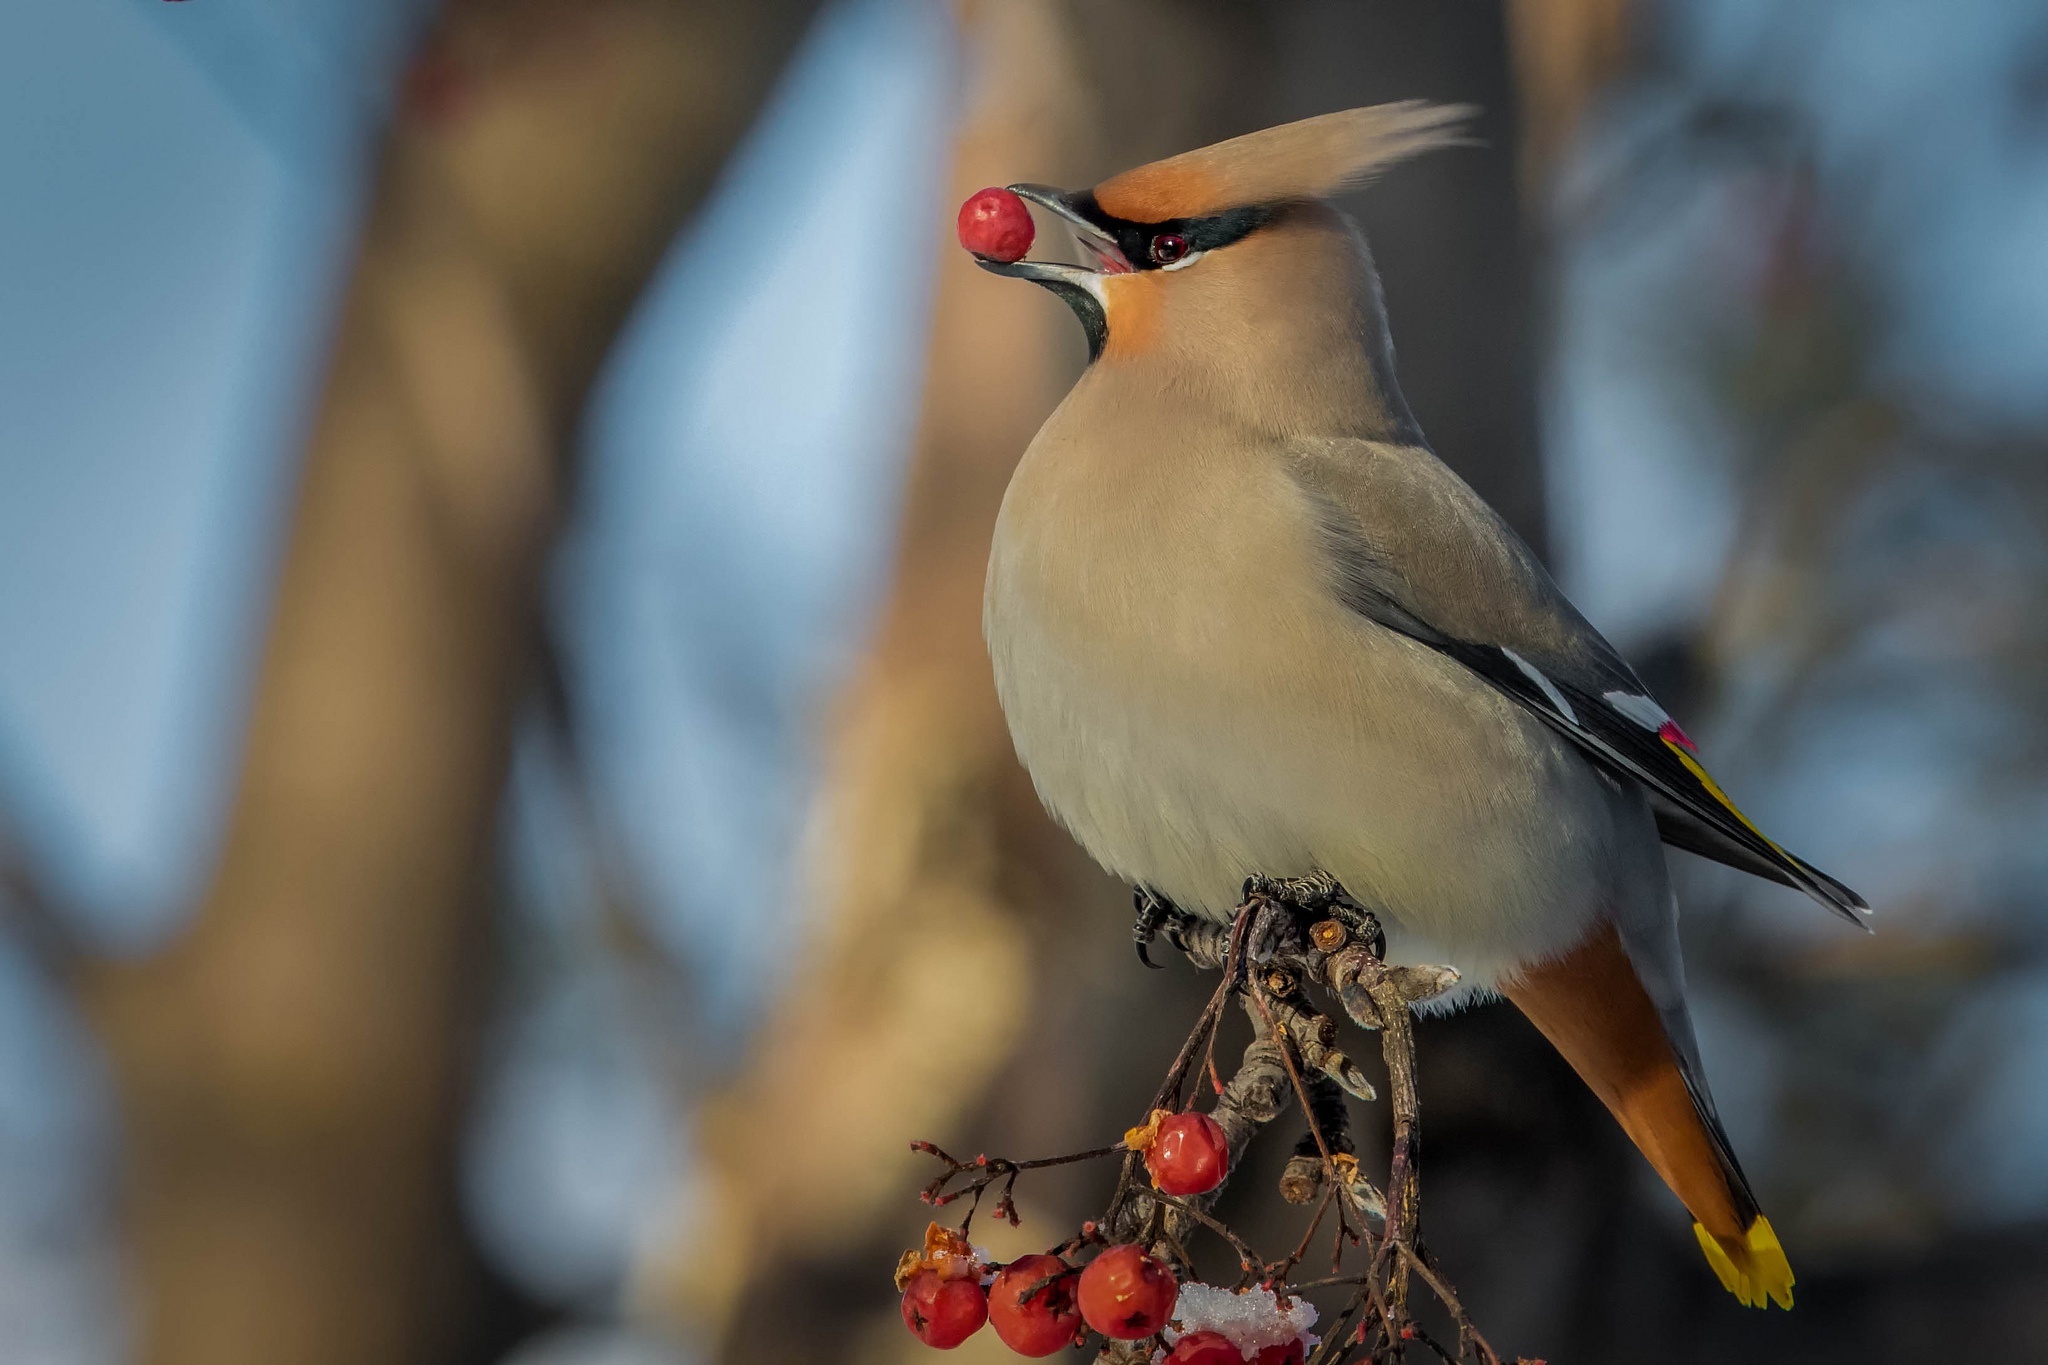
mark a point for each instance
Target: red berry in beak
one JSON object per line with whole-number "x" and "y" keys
{"x": 1125, "y": 1294}
{"x": 995, "y": 224}
{"x": 1042, "y": 1323}
{"x": 1190, "y": 1155}
{"x": 943, "y": 1313}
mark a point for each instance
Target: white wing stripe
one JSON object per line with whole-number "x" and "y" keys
{"x": 1641, "y": 710}
{"x": 1535, "y": 675}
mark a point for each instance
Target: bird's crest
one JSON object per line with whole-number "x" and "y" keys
{"x": 1313, "y": 159}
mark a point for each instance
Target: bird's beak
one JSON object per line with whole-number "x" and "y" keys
{"x": 1109, "y": 258}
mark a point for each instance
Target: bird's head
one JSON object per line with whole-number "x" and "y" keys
{"x": 1209, "y": 237}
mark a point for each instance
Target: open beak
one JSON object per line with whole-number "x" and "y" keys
{"x": 1109, "y": 258}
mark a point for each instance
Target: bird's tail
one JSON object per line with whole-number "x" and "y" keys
{"x": 1592, "y": 1007}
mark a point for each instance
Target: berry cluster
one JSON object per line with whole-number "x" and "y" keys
{"x": 1119, "y": 1281}
{"x": 1040, "y": 1304}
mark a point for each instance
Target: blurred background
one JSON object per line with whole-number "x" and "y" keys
{"x": 504, "y": 826}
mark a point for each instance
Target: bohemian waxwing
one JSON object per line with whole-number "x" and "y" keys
{"x": 1244, "y": 621}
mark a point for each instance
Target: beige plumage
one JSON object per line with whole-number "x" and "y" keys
{"x": 1243, "y": 621}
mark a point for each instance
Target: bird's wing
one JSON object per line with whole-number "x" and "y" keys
{"x": 1411, "y": 547}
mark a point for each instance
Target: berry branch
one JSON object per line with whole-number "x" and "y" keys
{"x": 1127, "y": 1277}
{"x": 985, "y": 1171}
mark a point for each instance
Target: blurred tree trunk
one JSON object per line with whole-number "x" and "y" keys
{"x": 934, "y": 866}
{"x": 289, "y": 1072}
{"x": 1565, "y": 53}
{"x": 961, "y": 936}
{"x": 1455, "y": 252}
{"x": 970, "y": 978}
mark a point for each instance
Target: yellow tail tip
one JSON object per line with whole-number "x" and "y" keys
{"x": 1754, "y": 1269}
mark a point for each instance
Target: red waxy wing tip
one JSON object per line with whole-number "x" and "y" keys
{"x": 1671, "y": 734}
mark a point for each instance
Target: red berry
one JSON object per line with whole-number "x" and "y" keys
{"x": 1127, "y": 1294}
{"x": 1042, "y": 1323}
{"x": 995, "y": 224}
{"x": 943, "y": 1313}
{"x": 1205, "y": 1348}
{"x": 1190, "y": 1155}
{"x": 1287, "y": 1353}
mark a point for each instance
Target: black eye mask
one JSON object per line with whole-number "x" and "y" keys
{"x": 1136, "y": 240}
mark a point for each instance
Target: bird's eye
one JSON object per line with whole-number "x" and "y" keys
{"x": 1169, "y": 247}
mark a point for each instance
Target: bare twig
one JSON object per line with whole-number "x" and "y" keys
{"x": 1248, "y": 1259}
{"x": 985, "y": 1171}
{"x": 1468, "y": 1335}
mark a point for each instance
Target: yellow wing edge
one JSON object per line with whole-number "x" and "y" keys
{"x": 1714, "y": 790}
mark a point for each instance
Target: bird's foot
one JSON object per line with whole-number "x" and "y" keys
{"x": 1205, "y": 942}
{"x": 1315, "y": 924}
{"x": 1323, "y": 916}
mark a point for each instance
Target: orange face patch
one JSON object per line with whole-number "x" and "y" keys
{"x": 1133, "y": 305}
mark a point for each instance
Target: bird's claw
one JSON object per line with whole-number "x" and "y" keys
{"x": 1153, "y": 911}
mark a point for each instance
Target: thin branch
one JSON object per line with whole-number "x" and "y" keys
{"x": 985, "y": 1171}
{"x": 1445, "y": 1295}
{"x": 1248, "y": 1258}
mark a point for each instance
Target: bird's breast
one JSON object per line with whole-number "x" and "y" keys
{"x": 1195, "y": 705}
